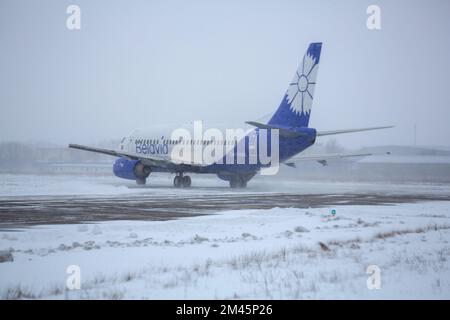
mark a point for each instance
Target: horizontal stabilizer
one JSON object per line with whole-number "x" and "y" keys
{"x": 290, "y": 164}
{"x": 284, "y": 132}
{"x": 323, "y": 159}
{"x": 327, "y": 133}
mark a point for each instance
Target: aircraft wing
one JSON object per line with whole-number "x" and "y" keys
{"x": 149, "y": 161}
{"x": 322, "y": 159}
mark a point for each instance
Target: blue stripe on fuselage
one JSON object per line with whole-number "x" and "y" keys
{"x": 288, "y": 147}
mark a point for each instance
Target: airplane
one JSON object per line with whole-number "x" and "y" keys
{"x": 141, "y": 153}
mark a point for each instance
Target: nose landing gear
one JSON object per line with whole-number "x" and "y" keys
{"x": 181, "y": 181}
{"x": 141, "y": 181}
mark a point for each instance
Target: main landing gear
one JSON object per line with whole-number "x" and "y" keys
{"x": 181, "y": 181}
{"x": 237, "y": 182}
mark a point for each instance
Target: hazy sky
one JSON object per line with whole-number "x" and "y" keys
{"x": 138, "y": 63}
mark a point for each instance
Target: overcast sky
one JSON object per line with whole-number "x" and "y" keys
{"x": 134, "y": 64}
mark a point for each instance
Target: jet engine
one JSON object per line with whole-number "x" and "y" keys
{"x": 131, "y": 169}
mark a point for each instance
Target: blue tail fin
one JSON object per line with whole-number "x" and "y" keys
{"x": 295, "y": 108}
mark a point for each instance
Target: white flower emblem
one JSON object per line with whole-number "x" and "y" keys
{"x": 301, "y": 89}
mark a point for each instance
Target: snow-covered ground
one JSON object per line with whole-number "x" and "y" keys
{"x": 13, "y": 185}
{"x": 276, "y": 253}
{"x": 26, "y": 186}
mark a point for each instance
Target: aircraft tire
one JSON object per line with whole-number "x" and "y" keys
{"x": 140, "y": 181}
{"x": 177, "y": 181}
{"x": 238, "y": 183}
{"x": 186, "y": 182}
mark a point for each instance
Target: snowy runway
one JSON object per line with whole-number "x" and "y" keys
{"x": 17, "y": 213}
